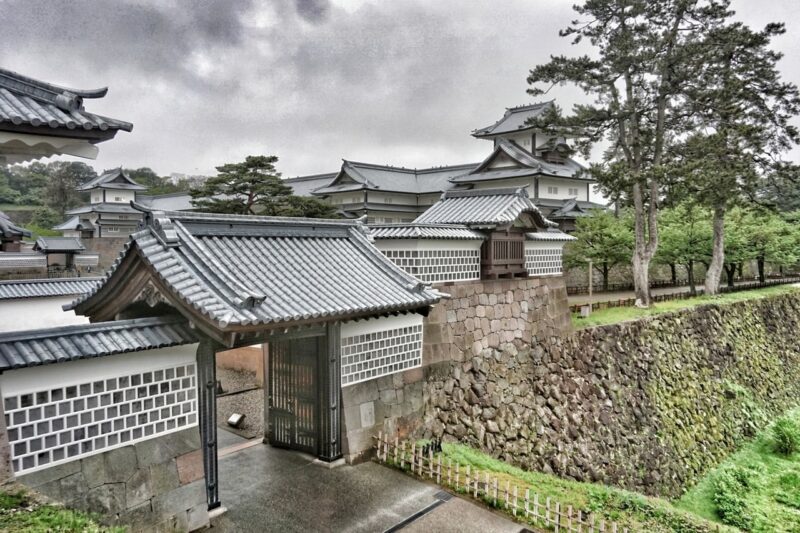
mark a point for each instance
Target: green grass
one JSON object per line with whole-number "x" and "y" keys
{"x": 39, "y": 231}
{"x": 772, "y": 499}
{"x": 628, "y": 509}
{"x": 620, "y": 314}
{"x": 20, "y": 512}
{"x": 18, "y": 207}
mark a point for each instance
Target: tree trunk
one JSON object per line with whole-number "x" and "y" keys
{"x": 730, "y": 271}
{"x": 761, "y": 277}
{"x": 690, "y": 275}
{"x": 605, "y": 276}
{"x": 673, "y": 271}
{"x": 717, "y": 251}
{"x": 740, "y": 268}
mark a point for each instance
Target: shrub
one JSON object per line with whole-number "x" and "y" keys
{"x": 786, "y": 436}
{"x": 730, "y": 488}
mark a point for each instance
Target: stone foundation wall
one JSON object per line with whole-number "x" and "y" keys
{"x": 649, "y": 405}
{"x": 107, "y": 247}
{"x": 479, "y": 315}
{"x": 153, "y": 484}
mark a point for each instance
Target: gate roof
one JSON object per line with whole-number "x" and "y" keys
{"x": 241, "y": 274}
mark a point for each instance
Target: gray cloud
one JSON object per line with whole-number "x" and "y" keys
{"x": 313, "y": 10}
{"x": 208, "y": 82}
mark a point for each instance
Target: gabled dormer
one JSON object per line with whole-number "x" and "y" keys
{"x": 113, "y": 186}
{"x": 515, "y": 127}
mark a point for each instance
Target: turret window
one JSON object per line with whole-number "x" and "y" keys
{"x": 552, "y": 190}
{"x": 573, "y": 191}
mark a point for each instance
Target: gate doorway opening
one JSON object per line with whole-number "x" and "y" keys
{"x": 294, "y": 394}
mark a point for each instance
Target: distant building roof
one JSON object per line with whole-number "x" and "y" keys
{"x": 32, "y": 106}
{"x": 42, "y": 288}
{"x": 174, "y": 201}
{"x": 113, "y": 179}
{"x": 105, "y": 207}
{"x": 423, "y": 231}
{"x": 515, "y": 119}
{"x": 305, "y": 185}
{"x": 21, "y": 349}
{"x": 525, "y": 164}
{"x": 10, "y": 230}
{"x": 572, "y": 208}
{"x": 551, "y": 234}
{"x": 58, "y": 244}
{"x": 235, "y": 273}
{"x": 482, "y": 208}
{"x": 74, "y": 223}
{"x": 355, "y": 176}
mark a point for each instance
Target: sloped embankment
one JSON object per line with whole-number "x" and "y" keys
{"x": 649, "y": 405}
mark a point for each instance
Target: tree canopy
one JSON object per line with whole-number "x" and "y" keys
{"x": 603, "y": 239}
{"x": 254, "y": 187}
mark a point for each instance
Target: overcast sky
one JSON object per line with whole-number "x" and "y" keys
{"x": 399, "y": 82}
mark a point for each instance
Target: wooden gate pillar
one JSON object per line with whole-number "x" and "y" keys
{"x": 207, "y": 412}
{"x": 330, "y": 369}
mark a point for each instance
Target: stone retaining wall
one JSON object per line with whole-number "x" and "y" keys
{"x": 478, "y": 316}
{"x": 649, "y": 405}
{"x": 156, "y": 484}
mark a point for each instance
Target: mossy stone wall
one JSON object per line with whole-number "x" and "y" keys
{"x": 649, "y": 405}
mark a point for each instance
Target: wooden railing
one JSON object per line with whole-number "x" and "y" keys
{"x": 523, "y": 503}
{"x": 628, "y": 302}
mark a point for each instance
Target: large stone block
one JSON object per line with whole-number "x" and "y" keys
{"x": 138, "y": 488}
{"x": 108, "y": 499}
{"x": 54, "y": 473}
{"x": 164, "y": 477}
{"x": 121, "y": 464}
{"x": 179, "y": 500}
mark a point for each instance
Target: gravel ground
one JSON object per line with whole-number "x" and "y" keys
{"x": 250, "y": 404}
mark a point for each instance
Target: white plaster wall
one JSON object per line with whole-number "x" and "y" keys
{"x": 526, "y": 183}
{"x": 563, "y": 188}
{"x": 427, "y": 244}
{"x": 373, "y": 325}
{"x": 36, "y": 378}
{"x": 122, "y": 197}
{"x": 392, "y": 198}
{"x": 36, "y": 313}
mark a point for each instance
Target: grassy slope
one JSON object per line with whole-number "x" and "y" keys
{"x": 621, "y": 314}
{"x": 21, "y": 512}
{"x": 629, "y": 509}
{"x": 774, "y": 501}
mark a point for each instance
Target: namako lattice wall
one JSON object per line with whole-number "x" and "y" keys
{"x": 435, "y": 261}
{"x": 544, "y": 258}
{"x": 380, "y": 346}
{"x": 59, "y": 413}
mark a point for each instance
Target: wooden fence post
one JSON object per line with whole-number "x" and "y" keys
{"x": 396, "y": 446}
{"x": 380, "y": 436}
{"x": 458, "y": 474}
{"x": 515, "y": 500}
{"x": 439, "y": 471}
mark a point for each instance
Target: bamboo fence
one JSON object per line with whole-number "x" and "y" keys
{"x": 521, "y": 503}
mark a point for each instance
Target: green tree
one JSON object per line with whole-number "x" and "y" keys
{"x": 155, "y": 184}
{"x": 636, "y": 77}
{"x": 740, "y": 108}
{"x": 772, "y": 240}
{"x": 63, "y": 178}
{"x": 603, "y": 239}
{"x": 685, "y": 238}
{"x": 252, "y": 187}
{"x": 738, "y": 249}
{"x": 44, "y": 217}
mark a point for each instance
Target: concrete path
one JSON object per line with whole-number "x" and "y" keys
{"x": 269, "y": 489}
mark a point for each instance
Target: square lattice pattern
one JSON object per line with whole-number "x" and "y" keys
{"x": 63, "y": 424}
{"x": 376, "y": 354}
{"x": 437, "y": 266}
{"x": 543, "y": 261}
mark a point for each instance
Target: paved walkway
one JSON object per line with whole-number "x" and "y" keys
{"x": 269, "y": 489}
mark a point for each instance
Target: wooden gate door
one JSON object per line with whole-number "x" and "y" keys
{"x": 294, "y": 393}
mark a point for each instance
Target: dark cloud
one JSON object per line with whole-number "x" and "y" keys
{"x": 211, "y": 81}
{"x": 313, "y": 10}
